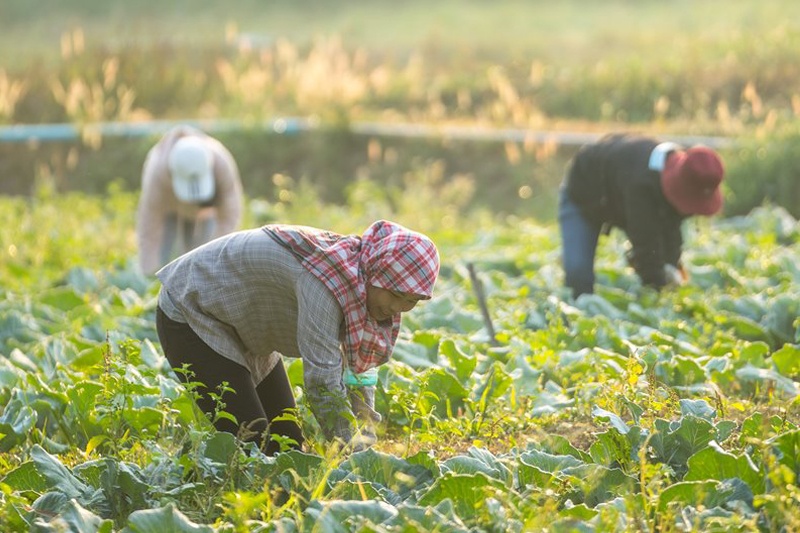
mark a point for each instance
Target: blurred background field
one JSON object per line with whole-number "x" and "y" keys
{"x": 711, "y": 68}
{"x": 570, "y": 32}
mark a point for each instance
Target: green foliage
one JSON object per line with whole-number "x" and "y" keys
{"x": 764, "y": 169}
{"x": 625, "y": 410}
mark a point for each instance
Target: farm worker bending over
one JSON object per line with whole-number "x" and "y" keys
{"x": 191, "y": 193}
{"x": 231, "y": 307}
{"x": 646, "y": 188}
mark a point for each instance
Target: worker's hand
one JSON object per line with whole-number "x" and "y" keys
{"x": 675, "y": 275}
{"x": 684, "y": 273}
{"x": 362, "y": 400}
{"x": 630, "y": 258}
{"x": 362, "y": 440}
{"x": 359, "y": 442}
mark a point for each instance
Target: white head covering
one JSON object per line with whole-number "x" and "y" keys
{"x": 192, "y": 170}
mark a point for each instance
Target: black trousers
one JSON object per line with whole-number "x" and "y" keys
{"x": 253, "y": 406}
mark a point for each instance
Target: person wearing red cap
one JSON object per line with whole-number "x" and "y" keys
{"x": 229, "y": 309}
{"x": 191, "y": 193}
{"x": 644, "y": 187}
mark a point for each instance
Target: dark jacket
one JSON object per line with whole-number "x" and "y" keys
{"x": 611, "y": 184}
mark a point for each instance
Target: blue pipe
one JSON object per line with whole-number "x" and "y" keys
{"x": 22, "y": 133}
{"x": 293, "y": 125}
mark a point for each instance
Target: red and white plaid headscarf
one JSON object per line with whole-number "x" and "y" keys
{"x": 387, "y": 255}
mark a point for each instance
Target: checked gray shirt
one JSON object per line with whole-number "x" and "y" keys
{"x": 250, "y": 299}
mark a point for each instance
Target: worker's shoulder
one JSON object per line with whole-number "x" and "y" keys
{"x": 626, "y": 139}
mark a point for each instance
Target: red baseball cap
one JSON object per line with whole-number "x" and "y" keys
{"x": 691, "y": 181}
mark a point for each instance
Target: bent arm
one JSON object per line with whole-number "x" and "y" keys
{"x": 319, "y": 322}
{"x": 152, "y": 213}
{"x": 673, "y": 244}
{"x": 645, "y": 231}
{"x": 229, "y": 192}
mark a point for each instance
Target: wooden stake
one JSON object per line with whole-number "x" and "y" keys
{"x": 487, "y": 319}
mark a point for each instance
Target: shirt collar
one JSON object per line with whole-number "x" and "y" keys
{"x": 658, "y": 157}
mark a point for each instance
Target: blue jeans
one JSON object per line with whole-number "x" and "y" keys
{"x": 579, "y": 238}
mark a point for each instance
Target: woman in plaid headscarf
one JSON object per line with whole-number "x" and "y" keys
{"x": 230, "y": 308}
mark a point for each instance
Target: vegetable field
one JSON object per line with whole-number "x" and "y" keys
{"x": 628, "y": 410}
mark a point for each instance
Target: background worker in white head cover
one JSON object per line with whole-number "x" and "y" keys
{"x": 191, "y": 194}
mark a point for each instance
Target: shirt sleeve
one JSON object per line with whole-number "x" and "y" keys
{"x": 673, "y": 244}
{"x": 151, "y": 213}
{"x": 645, "y": 231}
{"x": 319, "y": 324}
{"x": 229, "y": 206}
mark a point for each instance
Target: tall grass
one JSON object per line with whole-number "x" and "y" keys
{"x": 715, "y": 67}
